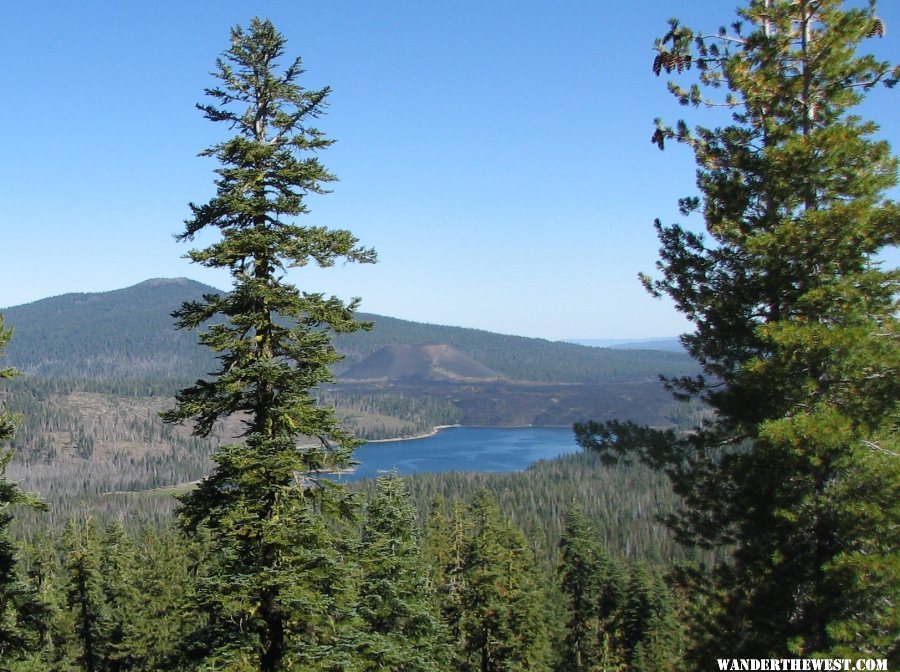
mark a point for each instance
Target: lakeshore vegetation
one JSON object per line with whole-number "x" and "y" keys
{"x": 759, "y": 520}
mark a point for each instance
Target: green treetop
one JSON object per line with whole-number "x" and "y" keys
{"x": 795, "y": 328}
{"x": 274, "y": 347}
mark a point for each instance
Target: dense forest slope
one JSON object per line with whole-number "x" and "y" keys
{"x": 128, "y": 333}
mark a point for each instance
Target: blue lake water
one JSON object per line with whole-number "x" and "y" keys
{"x": 465, "y": 449}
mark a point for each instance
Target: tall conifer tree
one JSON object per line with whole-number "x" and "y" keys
{"x": 580, "y": 564}
{"x": 500, "y": 596}
{"x": 272, "y": 590}
{"x": 118, "y": 586}
{"x": 795, "y": 328}
{"x": 19, "y": 608}
{"x": 84, "y": 594}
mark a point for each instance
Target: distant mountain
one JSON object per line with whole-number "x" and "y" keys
{"x": 420, "y": 362}
{"x": 667, "y": 344}
{"x": 129, "y": 333}
{"x": 125, "y": 333}
{"x": 518, "y": 357}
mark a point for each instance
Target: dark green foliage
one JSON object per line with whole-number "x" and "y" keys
{"x": 492, "y": 597}
{"x": 42, "y": 566}
{"x": 120, "y": 595}
{"x": 618, "y": 616}
{"x": 589, "y": 582}
{"x": 649, "y": 635}
{"x": 20, "y": 611}
{"x": 304, "y": 603}
{"x": 7, "y": 420}
{"x": 111, "y": 601}
{"x": 274, "y": 592}
{"x": 102, "y": 594}
{"x": 84, "y": 596}
{"x": 442, "y": 549}
{"x": 796, "y": 332}
{"x": 69, "y": 337}
{"x": 403, "y": 630}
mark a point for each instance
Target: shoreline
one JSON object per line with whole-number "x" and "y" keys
{"x": 438, "y": 428}
{"x": 163, "y": 489}
{"x": 434, "y": 430}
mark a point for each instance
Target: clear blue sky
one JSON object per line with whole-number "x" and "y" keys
{"x": 496, "y": 154}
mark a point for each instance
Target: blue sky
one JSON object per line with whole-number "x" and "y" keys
{"x": 496, "y": 154}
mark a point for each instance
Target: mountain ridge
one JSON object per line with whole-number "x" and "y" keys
{"x": 129, "y": 332}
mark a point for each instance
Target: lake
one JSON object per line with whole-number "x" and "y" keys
{"x": 465, "y": 449}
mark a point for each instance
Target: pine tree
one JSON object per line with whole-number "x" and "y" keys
{"x": 273, "y": 588}
{"x": 795, "y": 329}
{"x": 404, "y": 631}
{"x": 20, "y": 612}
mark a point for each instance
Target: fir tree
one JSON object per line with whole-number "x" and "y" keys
{"x": 617, "y": 619}
{"x": 442, "y": 548}
{"x": 273, "y": 587}
{"x": 404, "y": 631}
{"x": 796, "y": 331}
{"x": 41, "y": 562}
{"x": 118, "y": 584}
{"x": 84, "y": 596}
{"x": 649, "y": 633}
{"x": 500, "y": 598}
{"x": 581, "y": 561}
{"x": 163, "y": 584}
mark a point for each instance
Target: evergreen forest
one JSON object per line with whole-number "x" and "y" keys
{"x": 170, "y": 495}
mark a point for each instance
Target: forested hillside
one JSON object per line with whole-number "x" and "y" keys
{"x": 520, "y": 358}
{"x": 126, "y": 333}
{"x": 110, "y": 592}
{"x": 129, "y": 333}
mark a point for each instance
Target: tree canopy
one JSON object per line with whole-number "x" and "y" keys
{"x": 795, "y": 329}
